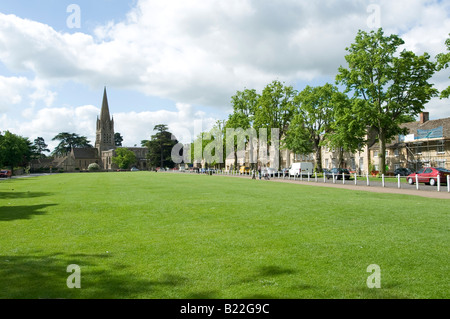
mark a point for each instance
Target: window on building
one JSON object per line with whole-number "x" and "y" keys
{"x": 326, "y": 163}
{"x": 440, "y": 147}
{"x": 396, "y": 152}
{"x": 375, "y": 153}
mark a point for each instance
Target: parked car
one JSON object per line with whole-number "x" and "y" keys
{"x": 337, "y": 172}
{"x": 244, "y": 170}
{"x": 402, "y": 171}
{"x": 428, "y": 175}
{"x": 134, "y": 169}
{"x": 5, "y": 173}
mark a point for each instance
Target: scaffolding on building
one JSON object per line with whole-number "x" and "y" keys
{"x": 427, "y": 152}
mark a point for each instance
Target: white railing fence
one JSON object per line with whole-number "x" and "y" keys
{"x": 400, "y": 182}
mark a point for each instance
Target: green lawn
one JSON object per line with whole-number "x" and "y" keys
{"x": 156, "y": 235}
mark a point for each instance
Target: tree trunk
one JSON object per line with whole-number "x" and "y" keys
{"x": 318, "y": 159}
{"x": 235, "y": 156}
{"x": 341, "y": 157}
{"x": 382, "y": 154}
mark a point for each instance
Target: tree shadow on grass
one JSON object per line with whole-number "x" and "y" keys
{"x": 45, "y": 277}
{"x": 9, "y": 213}
{"x": 18, "y": 195}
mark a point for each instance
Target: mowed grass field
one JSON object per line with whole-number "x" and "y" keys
{"x": 165, "y": 235}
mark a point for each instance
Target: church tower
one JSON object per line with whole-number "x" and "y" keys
{"x": 104, "y": 140}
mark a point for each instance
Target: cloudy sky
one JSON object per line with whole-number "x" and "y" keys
{"x": 178, "y": 62}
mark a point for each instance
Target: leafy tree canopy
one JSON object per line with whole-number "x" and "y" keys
{"x": 118, "y": 139}
{"x": 391, "y": 85}
{"x": 15, "y": 150}
{"x": 124, "y": 158}
{"x": 160, "y": 147}
{"x": 68, "y": 141}
{"x": 443, "y": 60}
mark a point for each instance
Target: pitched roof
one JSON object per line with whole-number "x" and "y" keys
{"x": 85, "y": 153}
{"x": 414, "y": 126}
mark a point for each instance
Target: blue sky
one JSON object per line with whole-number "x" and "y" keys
{"x": 179, "y": 62}
{"x": 54, "y": 12}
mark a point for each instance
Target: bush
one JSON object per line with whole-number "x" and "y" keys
{"x": 94, "y": 167}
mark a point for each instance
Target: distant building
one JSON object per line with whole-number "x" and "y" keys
{"x": 426, "y": 145}
{"x": 79, "y": 158}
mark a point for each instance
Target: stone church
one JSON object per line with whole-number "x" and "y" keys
{"x": 102, "y": 153}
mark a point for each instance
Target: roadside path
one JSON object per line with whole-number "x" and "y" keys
{"x": 443, "y": 194}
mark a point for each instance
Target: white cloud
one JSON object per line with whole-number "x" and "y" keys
{"x": 133, "y": 126}
{"x": 15, "y": 90}
{"x": 48, "y": 122}
{"x": 201, "y": 52}
{"x": 196, "y": 53}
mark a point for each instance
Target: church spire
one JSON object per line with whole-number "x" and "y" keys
{"x": 104, "y": 114}
{"x": 105, "y": 128}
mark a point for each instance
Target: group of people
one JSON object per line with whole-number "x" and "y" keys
{"x": 266, "y": 174}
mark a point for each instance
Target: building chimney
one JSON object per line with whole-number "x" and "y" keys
{"x": 424, "y": 117}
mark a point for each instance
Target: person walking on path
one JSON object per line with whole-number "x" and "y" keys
{"x": 259, "y": 171}
{"x": 266, "y": 175}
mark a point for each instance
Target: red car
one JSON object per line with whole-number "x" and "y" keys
{"x": 5, "y": 173}
{"x": 428, "y": 175}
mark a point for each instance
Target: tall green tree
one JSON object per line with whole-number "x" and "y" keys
{"x": 15, "y": 150}
{"x": 68, "y": 141}
{"x": 124, "y": 158}
{"x": 312, "y": 120}
{"x": 393, "y": 85}
{"x": 40, "y": 147}
{"x": 244, "y": 106}
{"x": 348, "y": 131}
{"x": 274, "y": 110}
{"x": 443, "y": 61}
{"x": 160, "y": 147}
{"x": 118, "y": 139}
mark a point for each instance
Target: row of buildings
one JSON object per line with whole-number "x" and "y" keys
{"x": 427, "y": 144}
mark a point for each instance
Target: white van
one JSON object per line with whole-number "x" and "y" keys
{"x": 302, "y": 168}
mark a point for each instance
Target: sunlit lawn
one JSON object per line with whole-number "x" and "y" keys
{"x": 165, "y": 235}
